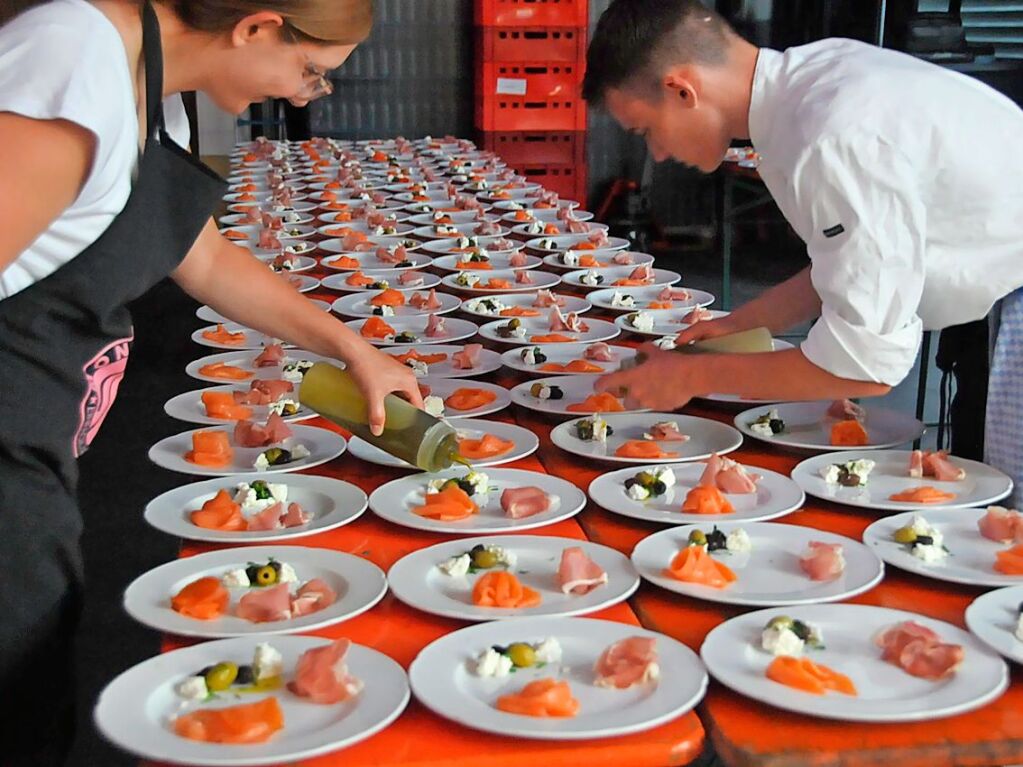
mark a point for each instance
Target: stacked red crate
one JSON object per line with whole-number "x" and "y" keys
{"x": 530, "y": 58}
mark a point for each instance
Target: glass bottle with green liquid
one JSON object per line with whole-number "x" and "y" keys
{"x": 409, "y": 433}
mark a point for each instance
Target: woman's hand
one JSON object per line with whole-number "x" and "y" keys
{"x": 665, "y": 381}
{"x": 377, "y": 375}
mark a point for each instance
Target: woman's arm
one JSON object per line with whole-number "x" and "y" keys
{"x": 238, "y": 285}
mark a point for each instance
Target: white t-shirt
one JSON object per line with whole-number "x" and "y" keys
{"x": 65, "y": 60}
{"x": 904, "y": 180}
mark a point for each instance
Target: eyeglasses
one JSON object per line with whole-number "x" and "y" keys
{"x": 317, "y": 81}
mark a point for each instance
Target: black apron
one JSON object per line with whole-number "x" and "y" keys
{"x": 64, "y": 343}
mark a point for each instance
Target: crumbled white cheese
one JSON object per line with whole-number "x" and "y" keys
{"x": 534, "y": 228}
{"x": 591, "y": 278}
{"x": 931, "y": 553}
{"x": 502, "y": 555}
{"x": 245, "y": 497}
{"x": 519, "y": 332}
{"x": 529, "y": 355}
{"x": 829, "y": 473}
{"x": 664, "y": 475}
{"x": 467, "y": 279}
{"x": 237, "y": 578}
{"x": 193, "y": 688}
{"x": 570, "y": 258}
{"x": 544, "y": 392}
{"x": 419, "y": 368}
{"x": 638, "y": 493}
{"x": 548, "y": 651}
{"x": 261, "y": 464}
{"x": 434, "y": 405}
{"x": 298, "y": 452}
{"x": 267, "y": 662}
{"x": 383, "y": 311}
{"x": 643, "y": 321}
{"x": 738, "y": 541}
{"x": 491, "y": 663}
{"x": 456, "y": 567}
{"x": 286, "y": 574}
{"x": 780, "y": 640}
{"x": 622, "y": 300}
{"x": 667, "y": 343}
{"x": 761, "y": 429}
{"x": 279, "y": 406}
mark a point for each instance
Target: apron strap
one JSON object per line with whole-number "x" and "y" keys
{"x": 153, "y": 54}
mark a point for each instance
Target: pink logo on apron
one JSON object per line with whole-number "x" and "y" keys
{"x": 103, "y": 375}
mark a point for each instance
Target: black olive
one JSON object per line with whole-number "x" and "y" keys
{"x": 556, "y": 393}
{"x": 610, "y": 431}
{"x": 251, "y": 572}
{"x": 404, "y": 264}
{"x": 245, "y": 676}
{"x": 466, "y": 486}
{"x": 716, "y": 540}
{"x": 777, "y": 426}
{"x": 205, "y": 671}
{"x": 540, "y": 357}
{"x": 801, "y": 630}
{"x": 378, "y": 311}
{"x": 658, "y": 488}
{"x": 847, "y": 479}
{"x": 600, "y": 280}
{"x": 923, "y": 540}
{"x": 631, "y": 481}
{"x": 476, "y": 549}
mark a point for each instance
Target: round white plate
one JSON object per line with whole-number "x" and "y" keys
{"x": 330, "y": 503}
{"x": 522, "y": 230}
{"x": 357, "y": 305}
{"x": 188, "y": 407}
{"x": 572, "y": 304}
{"x": 604, "y": 256}
{"x": 540, "y": 281}
{"x": 454, "y": 330}
{"x": 982, "y": 485}
{"x": 599, "y": 330}
{"x": 643, "y": 297}
{"x": 359, "y": 585}
{"x": 445, "y": 387}
{"x": 390, "y": 276}
{"x": 562, "y": 354}
{"x": 576, "y": 389}
{"x": 886, "y": 693}
{"x": 525, "y": 443}
{"x": 303, "y": 264}
{"x": 808, "y": 426}
{"x": 207, "y": 313}
{"x": 993, "y": 617}
{"x": 243, "y": 359}
{"x": 543, "y": 215}
{"x": 770, "y": 574}
{"x": 971, "y": 556}
{"x": 776, "y": 496}
{"x": 253, "y": 338}
{"x": 134, "y": 710}
{"x": 394, "y": 501}
{"x": 563, "y": 242}
{"x": 705, "y": 437}
{"x": 416, "y": 579}
{"x": 611, "y": 274}
{"x": 667, "y": 322}
{"x": 369, "y": 262}
{"x": 498, "y": 262}
{"x": 450, "y": 246}
{"x": 332, "y": 227}
{"x": 303, "y": 283}
{"x": 442, "y": 680}
{"x": 489, "y": 361}
{"x": 323, "y": 446}
{"x": 429, "y": 232}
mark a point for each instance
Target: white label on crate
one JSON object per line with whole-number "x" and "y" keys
{"x": 507, "y": 86}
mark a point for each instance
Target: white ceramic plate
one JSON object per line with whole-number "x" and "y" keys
{"x": 543, "y": 215}
{"x": 454, "y": 330}
{"x": 330, "y": 503}
{"x": 445, "y": 387}
{"x": 971, "y": 556}
{"x": 575, "y": 388}
{"x": 992, "y": 618}
{"x": 135, "y": 709}
{"x": 643, "y": 296}
{"x": 983, "y": 484}
{"x": 598, "y": 330}
{"x": 562, "y": 354}
{"x": 523, "y": 231}
{"x": 776, "y": 496}
{"x": 563, "y": 242}
{"x": 572, "y": 304}
{"x": 525, "y": 443}
{"x": 303, "y": 283}
{"x": 357, "y": 305}
{"x": 416, "y": 579}
{"x": 540, "y": 281}
{"x": 188, "y": 407}
{"x": 369, "y": 262}
{"x": 302, "y": 264}
{"x": 207, "y": 314}
{"x": 253, "y": 338}
{"x": 442, "y": 680}
{"x": 488, "y": 361}
{"x": 770, "y": 574}
{"x": 667, "y": 322}
{"x": 359, "y": 585}
{"x": 886, "y": 693}
{"x": 323, "y": 446}
{"x": 604, "y": 257}
{"x": 390, "y": 276}
{"x": 611, "y": 274}
{"x": 243, "y": 359}
{"x": 498, "y": 262}
{"x": 705, "y": 437}
{"x": 394, "y": 501}
{"x": 808, "y": 426}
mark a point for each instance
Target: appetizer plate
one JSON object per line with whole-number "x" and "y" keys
{"x": 642, "y": 297}
{"x": 488, "y": 361}
{"x": 323, "y": 446}
{"x": 706, "y": 437}
{"x": 302, "y": 264}
{"x": 394, "y": 501}
{"x": 609, "y": 275}
{"x": 454, "y": 330}
{"x": 666, "y": 322}
{"x": 526, "y": 442}
{"x": 358, "y": 583}
{"x": 244, "y": 359}
{"x": 135, "y": 711}
{"x": 604, "y": 257}
{"x": 808, "y": 426}
{"x": 971, "y": 556}
{"x": 329, "y": 502}
{"x": 497, "y": 262}
{"x": 253, "y": 338}
{"x": 416, "y": 579}
{"x": 563, "y": 242}
{"x": 369, "y": 262}
{"x": 497, "y": 246}
{"x": 983, "y": 484}
{"x": 443, "y": 681}
{"x": 597, "y": 330}
{"x": 357, "y": 305}
{"x": 432, "y": 232}
{"x": 886, "y": 693}
{"x": 570, "y": 304}
{"x": 993, "y": 618}
{"x": 208, "y": 314}
{"x": 189, "y": 407}
{"x": 776, "y": 496}
{"x": 563, "y": 354}
{"x": 543, "y": 215}
{"x": 538, "y": 281}
{"x": 575, "y": 390}
{"x": 769, "y": 574}
{"x": 339, "y": 282}
{"x": 530, "y": 231}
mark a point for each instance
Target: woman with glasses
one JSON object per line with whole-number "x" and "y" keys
{"x": 99, "y": 203}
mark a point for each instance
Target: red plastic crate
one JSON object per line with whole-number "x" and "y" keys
{"x": 548, "y": 44}
{"x": 529, "y": 147}
{"x": 534, "y": 80}
{"x": 526, "y": 13}
{"x": 569, "y": 181}
{"x": 512, "y": 113}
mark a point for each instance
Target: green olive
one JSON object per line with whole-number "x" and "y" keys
{"x": 522, "y": 654}
{"x": 780, "y": 622}
{"x": 697, "y": 538}
{"x": 646, "y": 478}
{"x": 266, "y": 575}
{"x": 221, "y": 676}
{"x": 905, "y": 535}
{"x": 484, "y": 558}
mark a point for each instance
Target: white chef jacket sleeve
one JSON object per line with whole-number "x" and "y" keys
{"x": 860, "y": 201}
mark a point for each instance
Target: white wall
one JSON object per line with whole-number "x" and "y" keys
{"x": 216, "y": 128}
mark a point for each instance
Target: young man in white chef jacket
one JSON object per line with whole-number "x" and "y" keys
{"x": 904, "y": 179}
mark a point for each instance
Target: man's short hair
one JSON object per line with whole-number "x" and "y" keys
{"x": 636, "y": 40}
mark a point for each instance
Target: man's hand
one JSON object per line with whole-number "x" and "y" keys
{"x": 665, "y": 381}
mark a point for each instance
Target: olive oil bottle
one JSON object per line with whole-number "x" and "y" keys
{"x": 752, "y": 341}
{"x": 409, "y": 433}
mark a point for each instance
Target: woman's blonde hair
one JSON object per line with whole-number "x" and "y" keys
{"x": 327, "y": 22}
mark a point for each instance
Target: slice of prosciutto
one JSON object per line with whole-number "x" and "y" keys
{"x": 518, "y": 259}
{"x": 264, "y": 392}
{"x": 394, "y": 255}
{"x": 322, "y": 675}
{"x": 622, "y": 258}
{"x": 919, "y": 651}
{"x": 265, "y": 605}
{"x": 627, "y": 663}
{"x": 249, "y": 434}
{"x": 599, "y": 352}
{"x": 578, "y": 227}
{"x": 666, "y": 431}
{"x": 267, "y": 519}
{"x": 937, "y": 464}
{"x": 545, "y": 299}
{"x": 519, "y": 502}
{"x": 435, "y": 327}
{"x": 728, "y": 476}
{"x": 425, "y": 300}
{"x": 674, "y": 294}
{"x": 1002, "y": 525}
{"x": 487, "y": 229}
{"x": 823, "y": 561}
{"x": 699, "y": 314}
{"x": 296, "y": 516}
{"x": 845, "y": 410}
{"x": 468, "y": 358}
{"x": 268, "y": 240}
{"x": 577, "y": 573}
{"x": 271, "y": 357}
{"x": 523, "y": 277}
{"x": 313, "y": 596}
{"x": 644, "y": 272}
{"x": 599, "y": 239}
{"x": 411, "y": 278}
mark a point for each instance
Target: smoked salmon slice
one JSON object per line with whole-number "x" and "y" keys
{"x": 375, "y": 327}
{"x": 924, "y": 494}
{"x": 588, "y": 262}
{"x": 598, "y": 403}
{"x": 210, "y": 448}
{"x": 358, "y": 280}
{"x": 245, "y": 723}
{"x": 1010, "y": 561}
{"x": 541, "y": 698}
{"x": 204, "y": 599}
{"x": 474, "y": 265}
{"x": 694, "y": 565}
{"x": 642, "y": 448}
{"x": 219, "y": 513}
{"x": 233, "y": 235}
{"x": 500, "y": 588}
{"x": 496, "y": 283}
{"x": 630, "y": 282}
{"x": 706, "y": 499}
{"x": 345, "y": 262}
{"x": 575, "y": 366}
{"x": 225, "y": 372}
{"x": 389, "y": 297}
{"x": 660, "y": 305}
{"x": 849, "y": 433}
{"x": 469, "y": 399}
{"x": 805, "y": 675}
{"x": 552, "y": 338}
{"x": 519, "y": 311}
{"x": 448, "y": 505}
{"x": 221, "y": 404}
{"x": 222, "y": 336}
{"x": 426, "y": 359}
{"x": 488, "y": 446}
